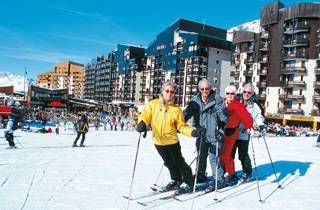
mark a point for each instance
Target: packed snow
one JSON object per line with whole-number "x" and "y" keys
{"x": 45, "y": 172}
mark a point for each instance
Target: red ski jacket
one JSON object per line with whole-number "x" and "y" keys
{"x": 238, "y": 114}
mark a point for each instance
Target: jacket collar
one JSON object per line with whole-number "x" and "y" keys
{"x": 211, "y": 101}
{"x": 169, "y": 103}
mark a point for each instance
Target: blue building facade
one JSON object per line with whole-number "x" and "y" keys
{"x": 180, "y": 53}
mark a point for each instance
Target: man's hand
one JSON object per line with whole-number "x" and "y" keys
{"x": 263, "y": 130}
{"x": 142, "y": 128}
{"x": 199, "y": 132}
{"x": 220, "y": 135}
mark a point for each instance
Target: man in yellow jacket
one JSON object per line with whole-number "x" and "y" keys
{"x": 165, "y": 118}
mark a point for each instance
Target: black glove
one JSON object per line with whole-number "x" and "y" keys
{"x": 263, "y": 130}
{"x": 230, "y": 131}
{"x": 220, "y": 135}
{"x": 199, "y": 132}
{"x": 142, "y": 128}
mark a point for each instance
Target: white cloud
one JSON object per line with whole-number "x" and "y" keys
{"x": 44, "y": 56}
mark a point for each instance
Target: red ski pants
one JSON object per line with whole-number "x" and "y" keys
{"x": 226, "y": 152}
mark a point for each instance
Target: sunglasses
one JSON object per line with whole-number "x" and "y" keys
{"x": 202, "y": 89}
{"x": 169, "y": 91}
{"x": 230, "y": 94}
{"x": 246, "y": 92}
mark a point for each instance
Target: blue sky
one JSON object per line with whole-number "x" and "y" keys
{"x": 36, "y": 34}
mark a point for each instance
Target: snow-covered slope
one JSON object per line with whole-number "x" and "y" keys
{"x": 47, "y": 173}
{"x": 8, "y": 79}
{"x": 253, "y": 26}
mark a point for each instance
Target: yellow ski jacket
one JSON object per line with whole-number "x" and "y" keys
{"x": 165, "y": 120}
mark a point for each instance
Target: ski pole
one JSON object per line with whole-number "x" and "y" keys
{"x": 196, "y": 171}
{"x": 156, "y": 182}
{"x": 216, "y": 173}
{"x": 274, "y": 171}
{"x": 255, "y": 166}
{"x": 134, "y": 170}
{"x": 19, "y": 142}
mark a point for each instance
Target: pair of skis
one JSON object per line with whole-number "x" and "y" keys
{"x": 173, "y": 195}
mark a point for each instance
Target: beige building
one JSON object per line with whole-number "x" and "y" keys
{"x": 46, "y": 79}
{"x": 68, "y": 75}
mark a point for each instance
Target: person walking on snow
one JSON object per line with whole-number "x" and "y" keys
{"x": 248, "y": 99}
{"x": 237, "y": 114}
{"x": 9, "y": 133}
{"x": 82, "y": 129}
{"x": 166, "y": 118}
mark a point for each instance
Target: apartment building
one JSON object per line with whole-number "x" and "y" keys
{"x": 185, "y": 53}
{"x": 285, "y": 60}
{"x": 127, "y": 64}
{"x": 66, "y": 75}
{"x": 115, "y": 76}
{"x": 250, "y": 67}
{"x": 70, "y": 75}
{"x": 46, "y": 79}
{"x": 292, "y": 57}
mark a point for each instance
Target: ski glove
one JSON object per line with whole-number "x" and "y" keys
{"x": 230, "y": 131}
{"x": 263, "y": 130}
{"x": 220, "y": 135}
{"x": 199, "y": 132}
{"x": 142, "y": 128}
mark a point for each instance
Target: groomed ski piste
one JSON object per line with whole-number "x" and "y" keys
{"x": 45, "y": 172}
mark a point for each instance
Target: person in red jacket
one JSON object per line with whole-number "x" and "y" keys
{"x": 237, "y": 114}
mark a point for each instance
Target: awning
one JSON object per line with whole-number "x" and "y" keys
{"x": 56, "y": 104}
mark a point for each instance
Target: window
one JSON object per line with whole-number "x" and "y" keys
{"x": 218, "y": 52}
{"x": 217, "y": 62}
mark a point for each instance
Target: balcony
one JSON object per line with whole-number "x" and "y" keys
{"x": 237, "y": 62}
{"x": 248, "y": 60}
{"x": 263, "y": 71}
{"x": 317, "y": 70}
{"x": 262, "y": 84}
{"x": 293, "y": 56}
{"x": 291, "y": 97}
{"x": 264, "y": 35}
{"x": 294, "y": 111}
{"x": 292, "y": 84}
{"x": 235, "y": 73}
{"x": 296, "y": 29}
{"x": 293, "y": 70}
{"x": 236, "y": 51}
{"x": 264, "y": 47}
{"x": 316, "y": 84}
{"x": 262, "y": 96}
{"x": 248, "y": 73}
{"x": 264, "y": 59}
{"x": 316, "y": 99}
{"x": 296, "y": 43}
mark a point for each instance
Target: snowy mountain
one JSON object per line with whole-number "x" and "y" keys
{"x": 253, "y": 26}
{"x": 9, "y": 78}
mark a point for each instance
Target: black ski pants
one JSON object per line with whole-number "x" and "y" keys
{"x": 179, "y": 170}
{"x": 203, "y": 156}
{"x": 78, "y": 136}
{"x": 243, "y": 155}
{"x": 9, "y": 138}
